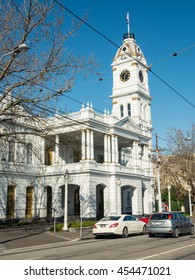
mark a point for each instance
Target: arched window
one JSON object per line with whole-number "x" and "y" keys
{"x": 29, "y": 153}
{"x": 11, "y": 154}
{"x": 122, "y": 111}
{"x": 129, "y": 109}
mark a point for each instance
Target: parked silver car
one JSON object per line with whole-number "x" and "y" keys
{"x": 172, "y": 223}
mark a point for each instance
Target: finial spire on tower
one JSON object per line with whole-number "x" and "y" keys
{"x": 128, "y": 34}
{"x": 128, "y": 24}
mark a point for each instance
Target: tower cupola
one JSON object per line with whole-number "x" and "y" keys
{"x": 130, "y": 93}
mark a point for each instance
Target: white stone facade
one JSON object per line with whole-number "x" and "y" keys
{"x": 106, "y": 155}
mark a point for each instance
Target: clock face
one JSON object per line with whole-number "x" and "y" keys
{"x": 141, "y": 76}
{"x": 125, "y": 75}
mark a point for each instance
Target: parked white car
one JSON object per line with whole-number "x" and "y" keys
{"x": 121, "y": 225}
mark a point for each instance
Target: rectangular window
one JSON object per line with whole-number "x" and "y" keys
{"x": 10, "y": 202}
{"x": 129, "y": 109}
{"x": 76, "y": 156}
{"x": 100, "y": 158}
{"x": 29, "y": 201}
{"x": 29, "y": 153}
{"x": 11, "y": 151}
{"x": 122, "y": 111}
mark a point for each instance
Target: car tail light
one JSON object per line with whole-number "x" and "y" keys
{"x": 170, "y": 216}
{"x": 94, "y": 226}
{"x": 113, "y": 225}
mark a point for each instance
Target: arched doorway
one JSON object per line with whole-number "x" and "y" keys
{"x": 49, "y": 202}
{"x": 126, "y": 199}
{"x": 100, "y": 201}
{"x": 76, "y": 202}
{"x": 73, "y": 200}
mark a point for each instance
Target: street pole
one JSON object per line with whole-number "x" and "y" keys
{"x": 82, "y": 199}
{"x": 190, "y": 201}
{"x": 159, "y": 190}
{"x": 169, "y": 197}
{"x": 18, "y": 49}
{"x": 66, "y": 178}
{"x": 158, "y": 176}
{"x": 118, "y": 183}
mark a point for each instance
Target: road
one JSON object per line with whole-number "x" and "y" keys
{"x": 132, "y": 248}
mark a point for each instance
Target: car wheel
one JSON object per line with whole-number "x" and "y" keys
{"x": 175, "y": 233}
{"x": 125, "y": 232}
{"x": 144, "y": 230}
{"x": 192, "y": 230}
{"x": 97, "y": 237}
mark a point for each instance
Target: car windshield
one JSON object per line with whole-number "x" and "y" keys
{"x": 111, "y": 218}
{"x": 160, "y": 216}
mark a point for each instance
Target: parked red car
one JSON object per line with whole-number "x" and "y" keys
{"x": 145, "y": 218}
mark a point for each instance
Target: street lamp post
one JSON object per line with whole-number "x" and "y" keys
{"x": 82, "y": 200}
{"x": 118, "y": 183}
{"x": 159, "y": 190}
{"x": 158, "y": 171}
{"x": 66, "y": 179}
{"x": 18, "y": 49}
{"x": 169, "y": 197}
{"x": 190, "y": 201}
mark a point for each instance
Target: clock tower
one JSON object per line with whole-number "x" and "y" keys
{"x": 130, "y": 93}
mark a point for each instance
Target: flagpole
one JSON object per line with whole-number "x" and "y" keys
{"x": 128, "y": 25}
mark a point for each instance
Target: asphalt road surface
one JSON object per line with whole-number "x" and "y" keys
{"x": 132, "y": 248}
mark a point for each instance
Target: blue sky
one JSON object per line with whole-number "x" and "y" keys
{"x": 161, "y": 29}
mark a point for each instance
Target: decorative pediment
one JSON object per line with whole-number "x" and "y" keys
{"x": 128, "y": 123}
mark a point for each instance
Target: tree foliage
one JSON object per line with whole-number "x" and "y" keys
{"x": 178, "y": 163}
{"x": 37, "y": 78}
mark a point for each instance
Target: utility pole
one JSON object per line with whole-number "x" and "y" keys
{"x": 158, "y": 175}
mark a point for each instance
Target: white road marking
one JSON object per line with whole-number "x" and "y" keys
{"x": 167, "y": 252}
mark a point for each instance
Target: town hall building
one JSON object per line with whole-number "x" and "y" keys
{"x": 86, "y": 164}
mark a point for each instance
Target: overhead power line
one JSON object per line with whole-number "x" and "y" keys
{"x": 173, "y": 54}
{"x": 118, "y": 47}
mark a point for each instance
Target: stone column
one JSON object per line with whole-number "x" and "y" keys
{"x": 83, "y": 145}
{"x": 135, "y": 154}
{"x": 116, "y": 149}
{"x": 92, "y": 145}
{"x": 57, "y": 142}
{"x": 113, "y": 151}
{"x": 105, "y": 148}
{"x": 88, "y": 145}
{"x": 43, "y": 150}
{"x": 109, "y": 148}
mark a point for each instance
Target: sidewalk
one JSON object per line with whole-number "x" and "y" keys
{"x": 35, "y": 235}
{"x": 26, "y": 236}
